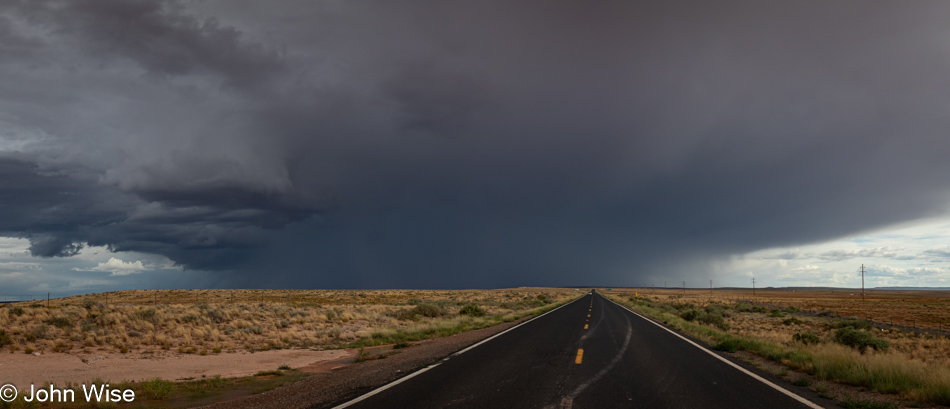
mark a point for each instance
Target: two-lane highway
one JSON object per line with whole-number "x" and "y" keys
{"x": 590, "y": 353}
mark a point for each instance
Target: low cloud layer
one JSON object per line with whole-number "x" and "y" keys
{"x": 369, "y": 144}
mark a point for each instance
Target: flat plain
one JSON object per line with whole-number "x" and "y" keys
{"x": 201, "y": 336}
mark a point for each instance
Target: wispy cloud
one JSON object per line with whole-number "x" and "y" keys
{"x": 882, "y": 270}
{"x": 877, "y": 252}
{"x": 943, "y": 252}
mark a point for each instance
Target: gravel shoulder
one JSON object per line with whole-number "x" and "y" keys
{"x": 324, "y": 389}
{"x": 81, "y": 367}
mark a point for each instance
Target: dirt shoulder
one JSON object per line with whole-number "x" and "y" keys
{"x": 321, "y": 390}
{"x": 58, "y": 368}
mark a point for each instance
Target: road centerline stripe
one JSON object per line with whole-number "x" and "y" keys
{"x": 580, "y": 356}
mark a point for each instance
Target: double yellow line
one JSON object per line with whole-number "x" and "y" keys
{"x": 580, "y": 351}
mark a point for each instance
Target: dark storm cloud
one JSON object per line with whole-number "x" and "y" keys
{"x": 157, "y": 35}
{"x": 469, "y": 144}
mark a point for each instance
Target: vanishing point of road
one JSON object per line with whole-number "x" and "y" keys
{"x": 590, "y": 353}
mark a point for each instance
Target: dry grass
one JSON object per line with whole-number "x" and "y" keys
{"x": 214, "y": 321}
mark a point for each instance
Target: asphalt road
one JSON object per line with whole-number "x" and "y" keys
{"x": 626, "y": 361}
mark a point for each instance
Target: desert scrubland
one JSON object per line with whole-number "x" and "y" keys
{"x": 891, "y": 342}
{"x": 143, "y": 339}
{"x": 215, "y": 321}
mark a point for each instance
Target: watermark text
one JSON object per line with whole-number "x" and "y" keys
{"x": 101, "y": 393}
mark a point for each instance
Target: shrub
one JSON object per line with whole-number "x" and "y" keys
{"x": 713, "y": 319}
{"x": 429, "y": 310}
{"x": 216, "y": 350}
{"x": 806, "y": 338}
{"x": 472, "y": 310}
{"x": 5, "y": 339}
{"x": 16, "y": 311}
{"x": 689, "y": 315}
{"x": 776, "y": 313}
{"x": 38, "y": 332}
{"x": 790, "y": 309}
{"x": 727, "y": 345}
{"x": 859, "y": 339}
{"x": 717, "y": 309}
{"x": 362, "y": 355}
{"x": 792, "y": 321}
{"x": 852, "y": 322}
{"x": 744, "y": 307}
{"x": 158, "y": 388}
{"x": 88, "y": 303}
{"x": 421, "y": 310}
{"x": 189, "y": 319}
{"x": 217, "y": 316}
{"x": 59, "y": 322}
{"x": 147, "y": 314}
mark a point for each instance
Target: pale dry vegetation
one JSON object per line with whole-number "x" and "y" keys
{"x": 214, "y": 321}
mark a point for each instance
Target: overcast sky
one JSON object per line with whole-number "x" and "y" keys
{"x": 370, "y": 144}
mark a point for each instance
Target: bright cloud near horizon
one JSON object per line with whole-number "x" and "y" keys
{"x": 339, "y": 144}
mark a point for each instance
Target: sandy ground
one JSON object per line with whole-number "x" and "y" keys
{"x": 58, "y": 368}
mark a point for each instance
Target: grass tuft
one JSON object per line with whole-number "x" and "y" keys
{"x": 158, "y": 388}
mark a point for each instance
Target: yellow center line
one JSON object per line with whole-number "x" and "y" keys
{"x": 585, "y": 326}
{"x": 588, "y": 315}
{"x": 580, "y": 356}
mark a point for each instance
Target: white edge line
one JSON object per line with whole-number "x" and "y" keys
{"x": 791, "y": 394}
{"x": 367, "y": 395}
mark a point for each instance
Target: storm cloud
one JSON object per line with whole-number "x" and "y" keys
{"x": 466, "y": 144}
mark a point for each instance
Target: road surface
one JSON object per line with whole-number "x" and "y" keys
{"x": 590, "y": 353}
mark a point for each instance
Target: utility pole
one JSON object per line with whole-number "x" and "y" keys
{"x": 684, "y": 287}
{"x": 862, "y": 282}
{"x": 753, "y": 286}
{"x": 710, "y": 287}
